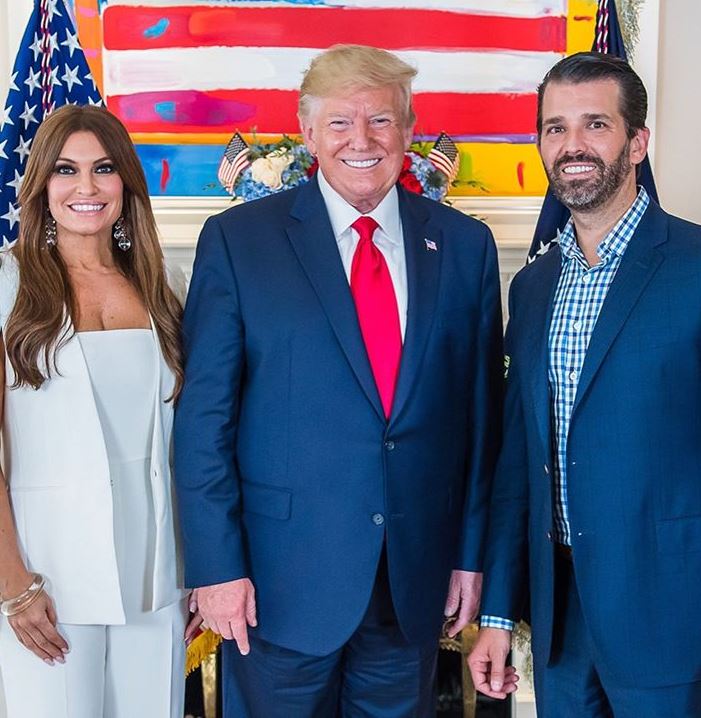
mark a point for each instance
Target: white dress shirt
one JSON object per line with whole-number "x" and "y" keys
{"x": 388, "y": 237}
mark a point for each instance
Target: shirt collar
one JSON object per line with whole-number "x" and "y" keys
{"x": 342, "y": 214}
{"x": 616, "y": 241}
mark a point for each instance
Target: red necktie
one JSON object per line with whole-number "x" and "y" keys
{"x": 376, "y": 305}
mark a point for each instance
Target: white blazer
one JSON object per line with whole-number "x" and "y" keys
{"x": 56, "y": 466}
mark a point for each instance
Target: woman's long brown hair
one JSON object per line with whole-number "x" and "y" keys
{"x": 36, "y": 328}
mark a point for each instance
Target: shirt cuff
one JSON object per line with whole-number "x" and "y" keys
{"x": 496, "y": 622}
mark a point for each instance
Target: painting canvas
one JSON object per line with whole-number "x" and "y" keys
{"x": 183, "y": 76}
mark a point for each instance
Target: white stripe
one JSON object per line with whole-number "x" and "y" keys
{"x": 221, "y": 68}
{"x": 512, "y": 8}
{"x": 509, "y": 8}
{"x": 228, "y": 173}
{"x": 442, "y": 163}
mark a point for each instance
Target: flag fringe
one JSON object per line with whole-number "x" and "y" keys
{"x": 629, "y": 22}
{"x": 202, "y": 646}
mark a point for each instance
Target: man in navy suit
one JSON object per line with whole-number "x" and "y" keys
{"x": 336, "y": 434}
{"x": 596, "y": 508}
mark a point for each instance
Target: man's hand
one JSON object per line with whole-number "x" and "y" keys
{"x": 487, "y": 663}
{"x": 464, "y": 594}
{"x": 228, "y": 609}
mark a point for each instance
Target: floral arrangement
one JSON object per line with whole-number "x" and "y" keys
{"x": 277, "y": 166}
{"x": 420, "y": 175}
{"x": 274, "y": 167}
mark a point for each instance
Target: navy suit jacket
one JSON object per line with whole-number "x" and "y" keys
{"x": 286, "y": 469}
{"x": 634, "y": 462}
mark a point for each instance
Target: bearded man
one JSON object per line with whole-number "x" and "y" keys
{"x": 596, "y": 509}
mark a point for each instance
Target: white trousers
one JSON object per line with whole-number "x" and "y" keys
{"x": 131, "y": 671}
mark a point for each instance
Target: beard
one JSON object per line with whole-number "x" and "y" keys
{"x": 584, "y": 195}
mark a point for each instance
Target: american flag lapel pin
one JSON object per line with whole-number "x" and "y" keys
{"x": 431, "y": 246}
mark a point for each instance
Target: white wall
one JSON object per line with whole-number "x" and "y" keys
{"x": 679, "y": 109}
{"x": 13, "y": 19}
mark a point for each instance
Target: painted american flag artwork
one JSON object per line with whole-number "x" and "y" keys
{"x": 185, "y": 75}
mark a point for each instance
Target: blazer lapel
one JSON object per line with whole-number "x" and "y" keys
{"x": 164, "y": 380}
{"x": 538, "y": 315}
{"x": 423, "y": 273}
{"x": 312, "y": 239}
{"x": 166, "y": 575}
{"x": 639, "y": 264}
{"x": 71, "y": 361}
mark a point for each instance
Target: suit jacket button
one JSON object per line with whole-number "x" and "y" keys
{"x": 378, "y": 519}
{"x": 546, "y": 469}
{"x": 389, "y": 445}
{"x": 549, "y": 535}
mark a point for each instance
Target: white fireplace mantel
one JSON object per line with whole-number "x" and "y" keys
{"x": 511, "y": 219}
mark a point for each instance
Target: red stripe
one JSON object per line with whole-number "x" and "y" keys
{"x": 165, "y": 174}
{"x": 275, "y": 111}
{"x": 448, "y": 169}
{"x": 128, "y": 28}
{"x": 229, "y": 171}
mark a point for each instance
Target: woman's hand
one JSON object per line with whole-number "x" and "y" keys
{"x": 35, "y": 628}
{"x": 195, "y": 622}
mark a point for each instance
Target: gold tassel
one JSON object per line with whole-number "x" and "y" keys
{"x": 200, "y": 647}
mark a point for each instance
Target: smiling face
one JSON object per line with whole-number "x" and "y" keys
{"x": 84, "y": 191}
{"x": 359, "y": 138}
{"x": 587, "y": 154}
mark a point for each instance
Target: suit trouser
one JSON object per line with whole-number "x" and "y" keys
{"x": 135, "y": 670}
{"x": 572, "y": 686}
{"x": 376, "y": 674}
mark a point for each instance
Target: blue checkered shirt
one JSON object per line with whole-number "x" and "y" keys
{"x": 579, "y": 296}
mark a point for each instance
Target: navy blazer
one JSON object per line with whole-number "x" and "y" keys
{"x": 634, "y": 462}
{"x": 286, "y": 469}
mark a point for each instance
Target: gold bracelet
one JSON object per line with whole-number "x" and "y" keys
{"x": 13, "y": 606}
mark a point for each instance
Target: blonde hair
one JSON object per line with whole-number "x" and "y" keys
{"x": 344, "y": 67}
{"x": 36, "y": 328}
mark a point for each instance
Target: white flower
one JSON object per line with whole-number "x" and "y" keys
{"x": 269, "y": 169}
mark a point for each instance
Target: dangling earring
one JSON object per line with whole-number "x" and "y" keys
{"x": 119, "y": 232}
{"x": 50, "y": 230}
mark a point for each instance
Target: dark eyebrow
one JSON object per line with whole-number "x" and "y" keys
{"x": 553, "y": 120}
{"x": 589, "y": 116}
{"x": 72, "y": 162}
{"x": 596, "y": 116}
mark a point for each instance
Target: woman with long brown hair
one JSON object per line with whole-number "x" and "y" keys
{"x": 92, "y": 604}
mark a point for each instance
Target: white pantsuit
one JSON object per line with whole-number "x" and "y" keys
{"x": 111, "y": 672}
{"x": 86, "y": 458}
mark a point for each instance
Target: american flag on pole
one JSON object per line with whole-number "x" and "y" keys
{"x": 234, "y": 161}
{"x": 554, "y": 215}
{"x": 445, "y": 156}
{"x": 50, "y": 71}
{"x": 184, "y": 74}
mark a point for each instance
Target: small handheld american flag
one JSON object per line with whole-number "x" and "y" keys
{"x": 445, "y": 156}
{"x": 233, "y": 162}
